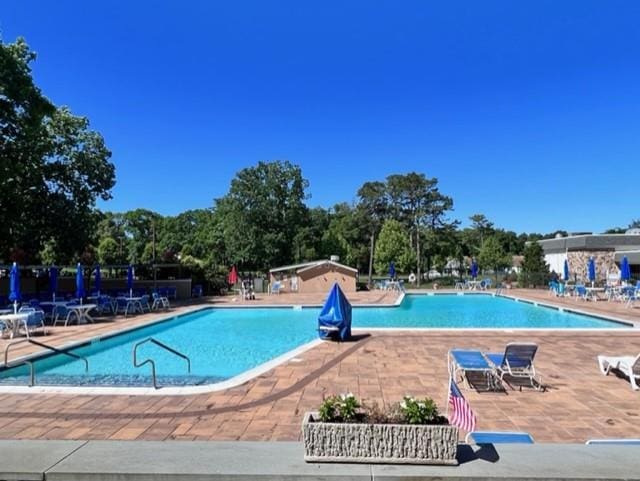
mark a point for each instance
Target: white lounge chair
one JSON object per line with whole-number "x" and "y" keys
{"x": 628, "y": 365}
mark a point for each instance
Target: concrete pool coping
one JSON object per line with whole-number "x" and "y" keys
{"x": 279, "y": 461}
{"x": 289, "y": 355}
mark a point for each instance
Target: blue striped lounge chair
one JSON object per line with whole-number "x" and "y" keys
{"x": 498, "y": 437}
{"x": 516, "y": 362}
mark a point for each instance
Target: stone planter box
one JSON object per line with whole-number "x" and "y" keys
{"x": 378, "y": 443}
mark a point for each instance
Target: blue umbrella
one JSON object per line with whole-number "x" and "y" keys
{"x": 130, "y": 280}
{"x": 592, "y": 270}
{"x": 98, "y": 279}
{"x": 392, "y": 270}
{"x": 565, "y": 274}
{"x": 53, "y": 282}
{"x": 474, "y": 269}
{"x": 625, "y": 270}
{"x": 14, "y": 286}
{"x": 80, "y": 293}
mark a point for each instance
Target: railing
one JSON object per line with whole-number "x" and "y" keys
{"x": 152, "y": 362}
{"x": 32, "y": 372}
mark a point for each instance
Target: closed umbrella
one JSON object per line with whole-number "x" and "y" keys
{"x": 565, "y": 274}
{"x": 625, "y": 269}
{"x": 233, "y": 276}
{"x": 591, "y": 268}
{"x": 14, "y": 286}
{"x": 392, "y": 270}
{"x": 80, "y": 293}
{"x": 474, "y": 269}
{"x": 130, "y": 280}
{"x": 53, "y": 282}
{"x": 98, "y": 279}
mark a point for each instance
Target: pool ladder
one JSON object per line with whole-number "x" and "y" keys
{"x": 32, "y": 371}
{"x": 152, "y": 362}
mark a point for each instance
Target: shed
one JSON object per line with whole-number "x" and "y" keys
{"x": 316, "y": 276}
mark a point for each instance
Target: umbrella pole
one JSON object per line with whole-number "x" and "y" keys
{"x": 15, "y": 307}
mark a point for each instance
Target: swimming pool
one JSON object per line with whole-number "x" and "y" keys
{"x": 223, "y": 343}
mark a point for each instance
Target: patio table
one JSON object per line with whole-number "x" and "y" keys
{"x": 592, "y": 292}
{"x": 12, "y": 321}
{"x": 473, "y": 285}
{"x": 131, "y": 301}
{"x": 82, "y": 312}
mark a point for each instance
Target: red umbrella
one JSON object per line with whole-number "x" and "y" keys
{"x": 233, "y": 275}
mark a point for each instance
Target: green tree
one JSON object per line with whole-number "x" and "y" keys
{"x": 53, "y": 168}
{"x": 393, "y": 246}
{"x": 374, "y": 204}
{"x": 492, "y": 255}
{"x": 109, "y": 252}
{"x": 416, "y": 201}
{"x": 262, "y": 213}
{"x": 535, "y": 270}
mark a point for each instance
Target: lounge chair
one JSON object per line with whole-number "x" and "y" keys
{"x": 628, "y": 365}
{"x": 498, "y": 437}
{"x": 463, "y": 362}
{"x": 631, "y": 442}
{"x": 517, "y": 362}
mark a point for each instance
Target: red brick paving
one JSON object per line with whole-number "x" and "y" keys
{"x": 579, "y": 402}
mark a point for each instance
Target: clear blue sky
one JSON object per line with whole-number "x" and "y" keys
{"x": 528, "y": 112}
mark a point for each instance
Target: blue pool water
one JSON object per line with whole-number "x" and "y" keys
{"x": 222, "y": 343}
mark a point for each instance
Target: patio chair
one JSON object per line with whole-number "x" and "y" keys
{"x": 516, "y": 362}
{"x": 498, "y": 437}
{"x": 63, "y": 315}
{"x": 627, "y": 365}
{"x": 124, "y": 306}
{"x": 485, "y": 284}
{"x": 34, "y": 321}
{"x": 630, "y": 442}
{"x": 581, "y": 292}
{"x": 463, "y": 362}
{"x": 276, "y": 286}
{"x": 104, "y": 305}
{"x": 159, "y": 301}
{"x": 143, "y": 304}
{"x": 196, "y": 291}
{"x": 632, "y": 295}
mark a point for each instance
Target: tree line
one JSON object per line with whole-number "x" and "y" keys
{"x": 53, "y": 168}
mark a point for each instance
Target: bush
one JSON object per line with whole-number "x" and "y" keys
{"x": 347, "y": 409}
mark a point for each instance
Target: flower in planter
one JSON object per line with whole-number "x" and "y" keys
{"x": 420, "y": 411}
{"x": 344, "y": 408}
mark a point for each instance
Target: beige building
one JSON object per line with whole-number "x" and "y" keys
{"x": 316, "y": 276}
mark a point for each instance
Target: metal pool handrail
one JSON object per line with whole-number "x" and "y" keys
{"x": 32, "y": 372}
{"x": 152, "y": 362}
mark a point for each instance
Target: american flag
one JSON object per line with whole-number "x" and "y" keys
{"x": 460, "y": 413}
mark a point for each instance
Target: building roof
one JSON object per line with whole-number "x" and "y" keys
{"x": 309, "y": 265}
{"x": 633, "y": 256}
{"x": 616, "y": 242}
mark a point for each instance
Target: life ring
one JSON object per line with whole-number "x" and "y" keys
{"x": 412, "y": 278}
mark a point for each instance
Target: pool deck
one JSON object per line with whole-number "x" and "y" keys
{"x": 578, "y": 404}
